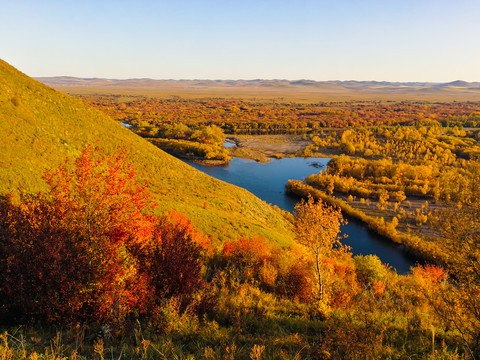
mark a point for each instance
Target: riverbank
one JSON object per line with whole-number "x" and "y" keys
{"x": 205, "y": 154}
{"x": 267, "y": 181}
{"x": 395, "y": 223}
{"x": 413, "y": 244}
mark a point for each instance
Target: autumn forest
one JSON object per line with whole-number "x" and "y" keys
{"x": 112, "y": 249}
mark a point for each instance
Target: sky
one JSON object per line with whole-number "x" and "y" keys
{"x": 387, "y": 40}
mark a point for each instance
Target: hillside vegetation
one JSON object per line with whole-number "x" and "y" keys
{"x": 89, "y": 271}
{"x": 41, "y": 127}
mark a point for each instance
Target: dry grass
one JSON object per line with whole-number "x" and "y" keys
{"x": 282, "y": 93}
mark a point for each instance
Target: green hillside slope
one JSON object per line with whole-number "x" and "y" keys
{"x": 40, "y": 127}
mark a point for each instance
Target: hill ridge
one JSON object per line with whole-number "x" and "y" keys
{"x": 72, "y": 80}
{"x": 309, "y": 91}
{"x": 42, "y": 126}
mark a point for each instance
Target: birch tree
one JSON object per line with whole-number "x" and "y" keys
{"x": 317, "y": 227}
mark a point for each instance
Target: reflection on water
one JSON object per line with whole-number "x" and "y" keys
{"x": 267, "y": 181}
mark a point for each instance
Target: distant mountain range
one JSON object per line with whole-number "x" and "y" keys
{"x": 297, "y": 90}
{"x": 352, "y": 84}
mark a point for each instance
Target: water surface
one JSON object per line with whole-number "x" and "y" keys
{"x": 267, "y": 181}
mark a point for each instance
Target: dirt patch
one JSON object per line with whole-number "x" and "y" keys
{"x": 248, "y": 153}
{"x": 211, "y": 162}
{"x": 263, "y": 147}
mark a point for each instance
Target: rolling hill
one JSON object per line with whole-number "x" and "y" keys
{"x": 40, "y": 127}
{"x": 298, "y": 90}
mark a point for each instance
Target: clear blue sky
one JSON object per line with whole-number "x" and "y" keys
{"x": 393, "y": 40}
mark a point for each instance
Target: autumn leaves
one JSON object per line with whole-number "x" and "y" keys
{"x": 90, "y": 249}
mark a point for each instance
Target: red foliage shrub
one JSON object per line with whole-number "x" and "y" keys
{"x": 248, "y": 252}
{"x": 431, "y": 273}
{"x": 343, "y": 281}
{"x": 89, "y": 251}
{"x": 429, "y": 277}
{"x": 37, "y": 256}
{"x": 298, "y": 283}
{"x": 172, "y": 262}
{"x": 379, "y": 288}
{"x": 248, "y": 255}
{"x": 174, "y": 222}
{"x": 64, "y": 254}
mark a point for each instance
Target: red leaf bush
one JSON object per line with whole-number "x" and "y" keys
{"x": 90, "y": 249}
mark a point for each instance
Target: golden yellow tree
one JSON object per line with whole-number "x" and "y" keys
{"x": 317, "y": 227}
{"x": 460, "y": 227}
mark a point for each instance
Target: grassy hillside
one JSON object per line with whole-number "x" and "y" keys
{"x": 41, "y": 127}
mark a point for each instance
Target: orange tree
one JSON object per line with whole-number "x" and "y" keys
{"x": 317, "y": 227}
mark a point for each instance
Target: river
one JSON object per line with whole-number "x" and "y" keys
{"x": 267, "y": 181}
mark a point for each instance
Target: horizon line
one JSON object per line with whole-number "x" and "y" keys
{"x": 256, "y": 80}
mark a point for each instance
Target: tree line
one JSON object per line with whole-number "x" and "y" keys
{"x": 273, "y": 117}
